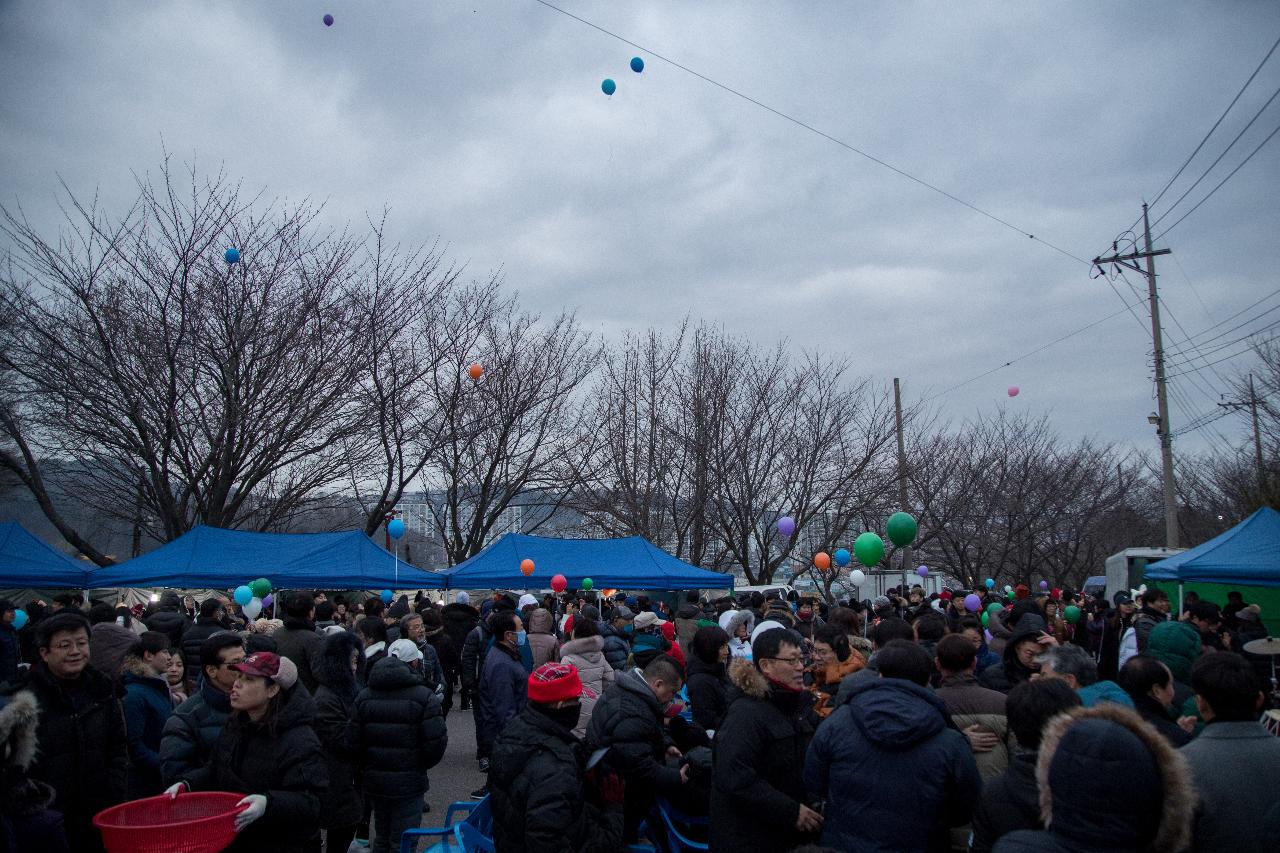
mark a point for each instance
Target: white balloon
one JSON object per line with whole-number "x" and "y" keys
{"x": 858, "y": 577}
{"x": 253, "y": 608}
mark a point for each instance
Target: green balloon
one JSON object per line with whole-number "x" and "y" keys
{"x": 869, "y": 549}
{"x": 901, "y": 529}
{"x": 986, "y": 619}
{"x": 995, "y": 607}
{"x": 1072, "y": 613}
{"x": 1011, "y": 594}
{"x": 261, "y": 587}
{"x": 587, "y": 583}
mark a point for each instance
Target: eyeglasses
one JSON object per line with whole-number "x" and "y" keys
{"x": 792, "y": 661}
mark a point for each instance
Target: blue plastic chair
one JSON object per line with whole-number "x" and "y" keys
{"x": 677, "y": 823}
{"x": 449, "y": 840}
{"x": 473, "y": 840}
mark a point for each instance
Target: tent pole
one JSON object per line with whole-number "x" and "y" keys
{"x": 1180, "y": 605}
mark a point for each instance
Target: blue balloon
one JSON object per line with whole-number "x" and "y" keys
{"x": 637, "y": 64}
{"x": 990, "y": 583}
{"x": 387, "y": 596}
{"x": 232, "y": 256}
{"x": 395, "y": 528}
{"x": 19, "y": 619}
{"x": 243, "y": 595}
{"x": 608, "y": 86}
{"x": 842, "y": 557}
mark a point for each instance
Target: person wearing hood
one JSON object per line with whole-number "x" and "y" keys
{"x": 397, "y": 734}
{"x": 586, "y": 653}
{"x": 542, "y": 638}
{"x": 1020, "y": 652}
{"x": 888, "y": 745}
{"x": 686, "y": 619}
{"x": 336, "y": 668}
{"x": 538, "y": 792}
{"x": 738, "y": 624}
{"x": 617, "y": 637}
{"x": 708, "y": 677}
{"x": 1078, "y": 668}
{"x": 1107, "y": 781}
{"x": 270, "y": 753}
{"x": 628, "y": 722}
{"x": 1178, "y": 646}
{"x": 192, "y": 730}
{"x": 1010, "y": 801}
{"x": 502, "y": 682}
{"x": 372, "y": 632}
{"x": 459, "y": 619}
{"x": 1150, "y": 685}
{"x": 169, "y": 618}
{"x": 298, "y": 640}
{"x": 28, "y": 824}
{"x": 210, "y": 621}
{"x": 147, "y": 708}
{"x": 109, "y": 640}
{"x": 1235, "y": 762}
{"x": 758, "y": 796}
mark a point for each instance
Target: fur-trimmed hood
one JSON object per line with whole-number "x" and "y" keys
{"x": 332, "y": 665}
{"x": 1107, "y": 763}
{"x": 19, "y": 717}
{"x": 751, "y": 681}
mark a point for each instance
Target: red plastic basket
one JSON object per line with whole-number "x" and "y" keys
{"x": 197, "y": 822}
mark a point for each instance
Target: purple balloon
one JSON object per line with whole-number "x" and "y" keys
{"x": 266, "y": 602}
{"x": 1044, "y": 584}
{"x": 786, "y": 525}
{"x": 972, "y": 603}
{"x": 328, "y": 20}
{"x": 923, "y": 571}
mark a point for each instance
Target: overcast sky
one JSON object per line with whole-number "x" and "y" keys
{"x": 482, "y": 123}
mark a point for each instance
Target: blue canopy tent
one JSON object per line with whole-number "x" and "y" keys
{"x": 632, "y": 562}
{"x": 1246, "y": 555}
{"x": 27, "y": 562}
{"x": 214, "y": 558}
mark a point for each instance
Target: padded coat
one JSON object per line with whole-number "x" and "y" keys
{"x": 396, "y": 732}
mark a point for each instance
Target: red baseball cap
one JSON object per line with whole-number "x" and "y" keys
{"x": 555, "y": 682}
{"x": 270, "y": 665}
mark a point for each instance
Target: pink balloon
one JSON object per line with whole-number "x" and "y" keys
{"x": 1013, "y": 390}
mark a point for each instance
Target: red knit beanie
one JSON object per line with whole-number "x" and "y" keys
{"x": 555, "y": 682}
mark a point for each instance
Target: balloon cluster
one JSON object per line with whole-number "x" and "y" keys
{"x": 608, "y": 86}
{"x": 253, "y": 596}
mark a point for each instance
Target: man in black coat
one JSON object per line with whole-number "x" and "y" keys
{"x": 209, "y": 622}
{"x": 758, "y": 799}
{"x": 169, "y": 618}
{"x": 536, "y": 780}
{"x": 397, "y": 734}
{"x": 1020, "y": 652}
{"x": 10, "y": 647}
{"x": 192, "y": 730}
{"x": 83, "y": 745}
{"x": 341, "y": 658}
{"x": 298, "y": 640}
{"x": 627, "y": 721}
{"x": 1011, "y": 801}
{"x": 459, "y": 619}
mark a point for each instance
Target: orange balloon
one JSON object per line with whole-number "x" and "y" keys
{"x": 526, "y": 567}
{"x": 475, "y": 371}
{"x": 822, "y": 560}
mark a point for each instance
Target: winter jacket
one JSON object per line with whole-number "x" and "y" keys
{"x": 1114, "y": 627}
{"x": 687, "y": 623}
{"x": 299, "y": 642}
{"x": 169, "y": 620}
{"x": 1158, "y": 716}
{"x": 10, "y": 653}
{"x": 474, "y": 650}
{"x": 284, "y": 762}
{"x": 147, "y": 707}
{"x": 708, "y": 687}
{"x": 193, "y": 639}
{"x": 446, "y": 652}
{"x": 758, "y": 760}
{"x": 84, "y": 751}
{"x": 1010, "y": 673}
{"x": 1103, "y": 691}
{"x": 890, "y": 744}
{"x": 537, "y": 795}
{"x": 1107, "y": 782}
{"x": 588, "y": 656}
{"x": 108, "y": 644}
{"x": 192, "y": 731}
{"x": 503, "y": 685}
{"x": 1144, "y": 622}
{"x": 542, "y": 637}
{"x": 1236, "y": 770}
{"x": 459, "y": 619}
{"x": 1177, "y": 645}
{"x": 617, "y": 647}
{"x": 627, "y": 720}
{"x": 971, "y": 704}
{"x": 397, "y": 732}
{"x": 1009, "y": 802}
{"x": 335, "y": 700}
{"x": 28, "y": 824}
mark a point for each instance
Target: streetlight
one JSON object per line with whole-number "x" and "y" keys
{"x": 1153, "y": 419}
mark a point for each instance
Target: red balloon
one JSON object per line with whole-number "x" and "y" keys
{"x": 475, "y": 371}
{"x": 822, "y": 560}
{"x": 558, "y": 583}
{"x": 526, "y": 567}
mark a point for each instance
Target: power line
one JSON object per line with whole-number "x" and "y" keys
{"x": 1233, "y": 329}
{"x": 799, "y": 123}
{"x": 1244, "y": 351}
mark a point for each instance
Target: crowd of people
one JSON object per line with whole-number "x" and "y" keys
{"x": 1047, "y": 721}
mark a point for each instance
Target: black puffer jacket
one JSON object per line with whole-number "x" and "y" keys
{"x": 536, "y": 792}
{"x": 169, "y": 620}
{"x": 617, "y": 648}
{"x": 1011, "y": 672}
{"x": 1009, "y": 802}
{"x": 299, "y": 642}
{"x": 193, "y": 639}
{"x": 286, "y": 765}
{"x": 758, "y": 761}
{"x": 397, "y": 731}
{"x": 459, "y": 619}
{"x": 474, "y": 649}
{"x": 192, "y": 731}
{"x": 335, "y": 703}
{"x": 708, "y": 692}
{"x": 83, "y": 747}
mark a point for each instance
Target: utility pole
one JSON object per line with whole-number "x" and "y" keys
{"x": 902, "y": 475}
{"x": 1252, "y": 403}
{"x": 1163, "y": 428}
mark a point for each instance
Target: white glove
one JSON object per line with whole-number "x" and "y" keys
{"x": 175, "y": 789}
{"x": 257, "y": 807}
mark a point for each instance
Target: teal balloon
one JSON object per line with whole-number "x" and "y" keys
{"x": 995, "y": 607}
{"x": 637, "y": 64}
{"x": 842, "y": 556}
{"x": 608, "y": 87}
{"x": 869, "y": 549}
{"x": 990, "y": 583}
{"x": 19, "y": 619}
{"x": 901, "y": 528}
{"x": 387, "y": 596}
{"x": 395, "y": 528}
{"x": 243, "y": 595}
